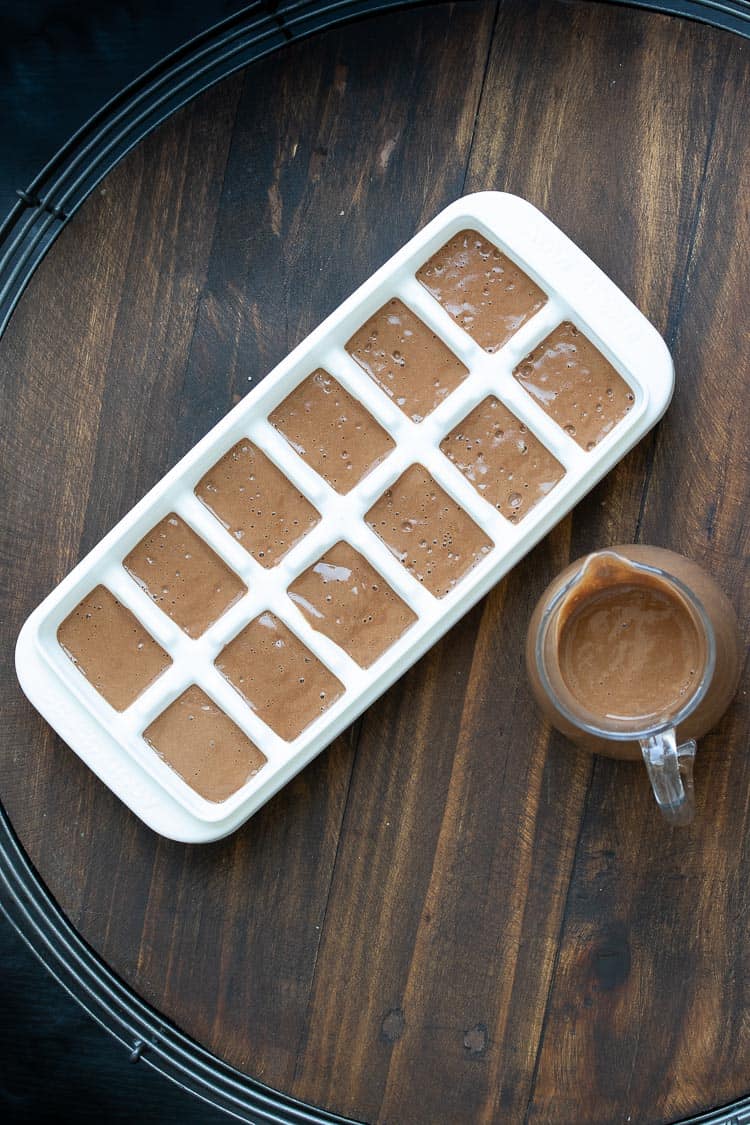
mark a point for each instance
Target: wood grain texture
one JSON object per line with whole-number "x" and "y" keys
{"x": 450, "y": 916}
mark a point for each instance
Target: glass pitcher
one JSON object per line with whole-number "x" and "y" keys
{"x": 663, "y": 735}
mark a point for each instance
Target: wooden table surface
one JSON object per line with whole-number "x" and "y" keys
{"x": 451, "y": 915}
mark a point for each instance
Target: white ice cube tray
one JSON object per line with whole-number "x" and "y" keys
{"x": 111, "y": 743}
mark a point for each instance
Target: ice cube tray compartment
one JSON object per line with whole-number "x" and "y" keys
{"x": 113, "y": 743}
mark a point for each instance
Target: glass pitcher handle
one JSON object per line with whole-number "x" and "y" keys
{"x": 670, "y": 768}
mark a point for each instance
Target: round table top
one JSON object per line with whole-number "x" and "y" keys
{"x": 451, "y": 915}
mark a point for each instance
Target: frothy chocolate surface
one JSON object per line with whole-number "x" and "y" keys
{"x": 630, "y": 652}
{"x": 257, "y": 503}
{"x": 204, "y": 746}
{"x": 331, "y": 430}
{"x": 507, "y": 465}
{"x": 428, "y": 531}
{"x": 482, "y": 289}
{"x": 345, "y": 598}
{"x": 278, "y": 676}
{"x": 573, "y": 382}
{"x": 406, "y": 359}
{"x": 111, "y": 648}
{"x": 183, "y": 575}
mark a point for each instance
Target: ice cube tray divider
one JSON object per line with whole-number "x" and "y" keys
{"x": 111, "y": 743}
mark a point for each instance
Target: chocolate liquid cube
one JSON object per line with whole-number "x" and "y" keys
{"x": 573, "y": 383}
{"x": 332, "y": 431}
{"x": 257, "y": 503}
{"x": 406, "y": 359}
{"x": 507, "y": 465}
{"x": 482, "y": 289}
{"x": 346, "y": 599}
{"x": 185, "y": 578}
{"x": 111, "y": 648}
{"x": 204, "y": 746}
{"x": 428, "y": 531}
{"x": 279, "y": 677}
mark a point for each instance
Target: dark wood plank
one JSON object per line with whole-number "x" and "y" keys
{"x": 654, "y": 946}
{"x": 92, "y": 367}
{"x": 468, "y": 969}
{"x": 451, "y": 915}
{"x": 251, "y": 242}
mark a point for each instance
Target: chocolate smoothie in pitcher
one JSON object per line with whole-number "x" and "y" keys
{"x": 635, "y": 652}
